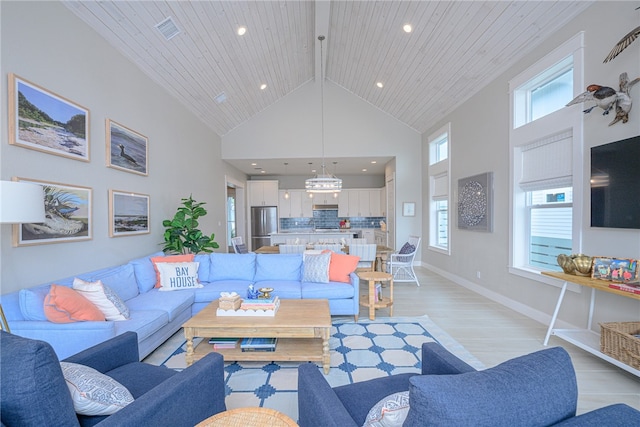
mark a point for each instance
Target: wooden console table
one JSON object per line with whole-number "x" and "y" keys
{"x": 585, "y": 339}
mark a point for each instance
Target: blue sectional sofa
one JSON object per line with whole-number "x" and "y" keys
{"x": 154, "y": 315}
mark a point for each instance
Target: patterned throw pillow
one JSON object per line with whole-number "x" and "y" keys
{"x": 175, "y": 276}
{"x": 316, "y": 268}
{"x": 390, "y": 411}
{"x": 92, "y": 392}
{"x": 407, "y": 248}
{"x": 104, "y": 298}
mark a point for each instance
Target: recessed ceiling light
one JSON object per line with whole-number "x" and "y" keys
{"x": 364, "y": 170}
{"x": 220, "y": 98}
{"x": 380, "y": 84}
{"x": 263, "y": 86}
{"x": 373, "y": 162}
{"x": 263, "y": 171}
{"x": 254, "y": 164}
{"x": 407, "y": 28}
{"x": 242, "y": 30}
{"x": 313, "y": 171}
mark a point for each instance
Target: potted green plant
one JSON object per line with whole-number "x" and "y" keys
{"x": 182, "y": 234}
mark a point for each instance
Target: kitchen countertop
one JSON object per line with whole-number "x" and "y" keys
{"x": 319, "y": 231}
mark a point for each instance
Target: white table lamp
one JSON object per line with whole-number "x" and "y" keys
{"x": 21, "y": 202}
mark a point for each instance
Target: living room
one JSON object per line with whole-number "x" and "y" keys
{"x": 45, "y": 43}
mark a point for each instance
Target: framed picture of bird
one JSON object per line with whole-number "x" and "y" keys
{"x": 127, "y": 150}
{"x": 128, "y": 213}
{"x": 44, "y": 121}
{"x": 68, "y": 216}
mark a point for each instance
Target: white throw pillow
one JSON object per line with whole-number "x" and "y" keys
{"x": 94, "y": 393}
{"x": 103, "y": 297}
{"x": 178, "y": 275}
{"x": 390, "y": 411}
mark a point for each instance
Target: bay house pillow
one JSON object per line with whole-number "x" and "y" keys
{"x": 178, "y": 275}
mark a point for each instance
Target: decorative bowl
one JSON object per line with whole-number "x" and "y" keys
{"x": 583, "y": 265}
{"x": 577, "y": 264}
{"x": 566, "y": 262}
{"x": 266, "y": 292}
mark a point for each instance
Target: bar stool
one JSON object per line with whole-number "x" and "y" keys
{"x": 372, "y": 300}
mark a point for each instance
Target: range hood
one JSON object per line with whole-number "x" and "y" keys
{"x": 325, "y": 207}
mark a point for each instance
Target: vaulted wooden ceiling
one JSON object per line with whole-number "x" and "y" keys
{"x": 455, "y": 48}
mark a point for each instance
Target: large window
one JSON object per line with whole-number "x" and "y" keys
{"x": 550, "y": 217}
{"x": 439, "y": 166}
{"x": 546, "y": 161}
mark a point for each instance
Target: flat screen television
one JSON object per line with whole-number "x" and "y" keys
{"x": 615, "y": 184}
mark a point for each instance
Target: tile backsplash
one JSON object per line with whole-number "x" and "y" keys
{"x": 328, "y": 219}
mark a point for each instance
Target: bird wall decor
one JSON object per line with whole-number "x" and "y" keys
{"x": 609, "y": 99}
{"x": 623, "y": 43}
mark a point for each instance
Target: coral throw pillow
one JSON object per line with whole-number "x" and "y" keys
{"x": 65, "y": 305}
{"x": 171, "y": 258}
{"x": 341, "y": 266}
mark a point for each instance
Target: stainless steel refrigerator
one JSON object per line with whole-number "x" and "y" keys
{"x": 264, "y": 220}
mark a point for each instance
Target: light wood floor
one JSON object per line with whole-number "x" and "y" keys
{"x": 494, "y": 333}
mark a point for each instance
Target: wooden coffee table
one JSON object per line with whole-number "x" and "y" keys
{"x": 301, "y": 326}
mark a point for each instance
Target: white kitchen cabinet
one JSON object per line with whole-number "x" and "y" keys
{"x": 374, "y": 203}
{"x": 263, "y": 193}
{"x": 343, "y": 203}
{"x": 361, "y": 203}
{"x": 298, "y": 205}
{"x": 383, "y": 201}
{"x": 326, "y": 198}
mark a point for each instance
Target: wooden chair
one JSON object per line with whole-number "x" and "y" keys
{"x": 292, "y": 249}
{"x": 238, "y": 246}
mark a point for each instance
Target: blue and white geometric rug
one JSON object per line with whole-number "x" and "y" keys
{"x": 359, "y": 351}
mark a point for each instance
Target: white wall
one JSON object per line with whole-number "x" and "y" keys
{"x": 353, "y": 127}
{"x": 45, "y": 43}
{"x": 479, "y": 143}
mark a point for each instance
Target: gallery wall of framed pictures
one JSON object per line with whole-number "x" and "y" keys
{"x": 42, "y": 120}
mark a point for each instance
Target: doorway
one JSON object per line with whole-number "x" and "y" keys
{"x": 235, "y": 211}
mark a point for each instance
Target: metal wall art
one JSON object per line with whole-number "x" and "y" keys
{"x": 475, "y": 202}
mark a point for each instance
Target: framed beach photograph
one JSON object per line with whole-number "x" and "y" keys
{"x": 44, "y": 121}
{"x": 614, "y": 269}
{"x": 127, "y": 150}
{"x": 128, "y": 213}
{"x": 67, "y": 216}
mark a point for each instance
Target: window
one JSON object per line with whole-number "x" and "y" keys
{"x": 545, "y": 141}
{"x": 550, "y": 218}
{"x": 439, "y": 166}
{"x": 545, "y": 93}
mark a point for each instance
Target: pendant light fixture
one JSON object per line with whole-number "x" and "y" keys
{"x": 323, "y": 182}
{"x": 286, "y": 192}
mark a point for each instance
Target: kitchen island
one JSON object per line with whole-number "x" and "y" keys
{"x": 314, "y": 235}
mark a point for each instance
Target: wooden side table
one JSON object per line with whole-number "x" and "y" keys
{"x": 370, "y": 300}
{"x": 248, "y": 417}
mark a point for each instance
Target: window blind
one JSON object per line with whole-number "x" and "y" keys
{"x": 547, "y": 163}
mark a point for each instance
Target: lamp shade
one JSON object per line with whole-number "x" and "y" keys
{"x": 21, "y": 202}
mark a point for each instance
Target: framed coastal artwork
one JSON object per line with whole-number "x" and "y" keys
{"x": 67, "y": 216}
{"x": 44, "y": 121}
{"x": 128, "y": 213}
{"x": 127, "y": 150}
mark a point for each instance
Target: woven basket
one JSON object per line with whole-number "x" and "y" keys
{"x": 230, "y": 303}
{"x": 618, "y": 341}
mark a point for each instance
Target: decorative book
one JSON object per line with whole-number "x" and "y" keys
{"x": 633, "y": 287}
{"x": 258, "y": 344}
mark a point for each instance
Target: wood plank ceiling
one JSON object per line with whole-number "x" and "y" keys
{"x": 455, "y": 49}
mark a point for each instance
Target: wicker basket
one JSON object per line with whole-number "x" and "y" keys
{"x": 618, "y": 341}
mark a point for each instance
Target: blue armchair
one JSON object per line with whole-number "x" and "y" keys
{"x": 537, "y": 389}
{"x": 34, "y": 392}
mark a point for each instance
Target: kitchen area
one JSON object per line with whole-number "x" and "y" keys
{"x": 278, "y": 216}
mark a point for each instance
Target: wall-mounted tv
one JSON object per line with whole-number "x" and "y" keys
{"x": 615, "y": 184}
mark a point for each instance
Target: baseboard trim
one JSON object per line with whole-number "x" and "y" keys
{"x": 519, "y": 307}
